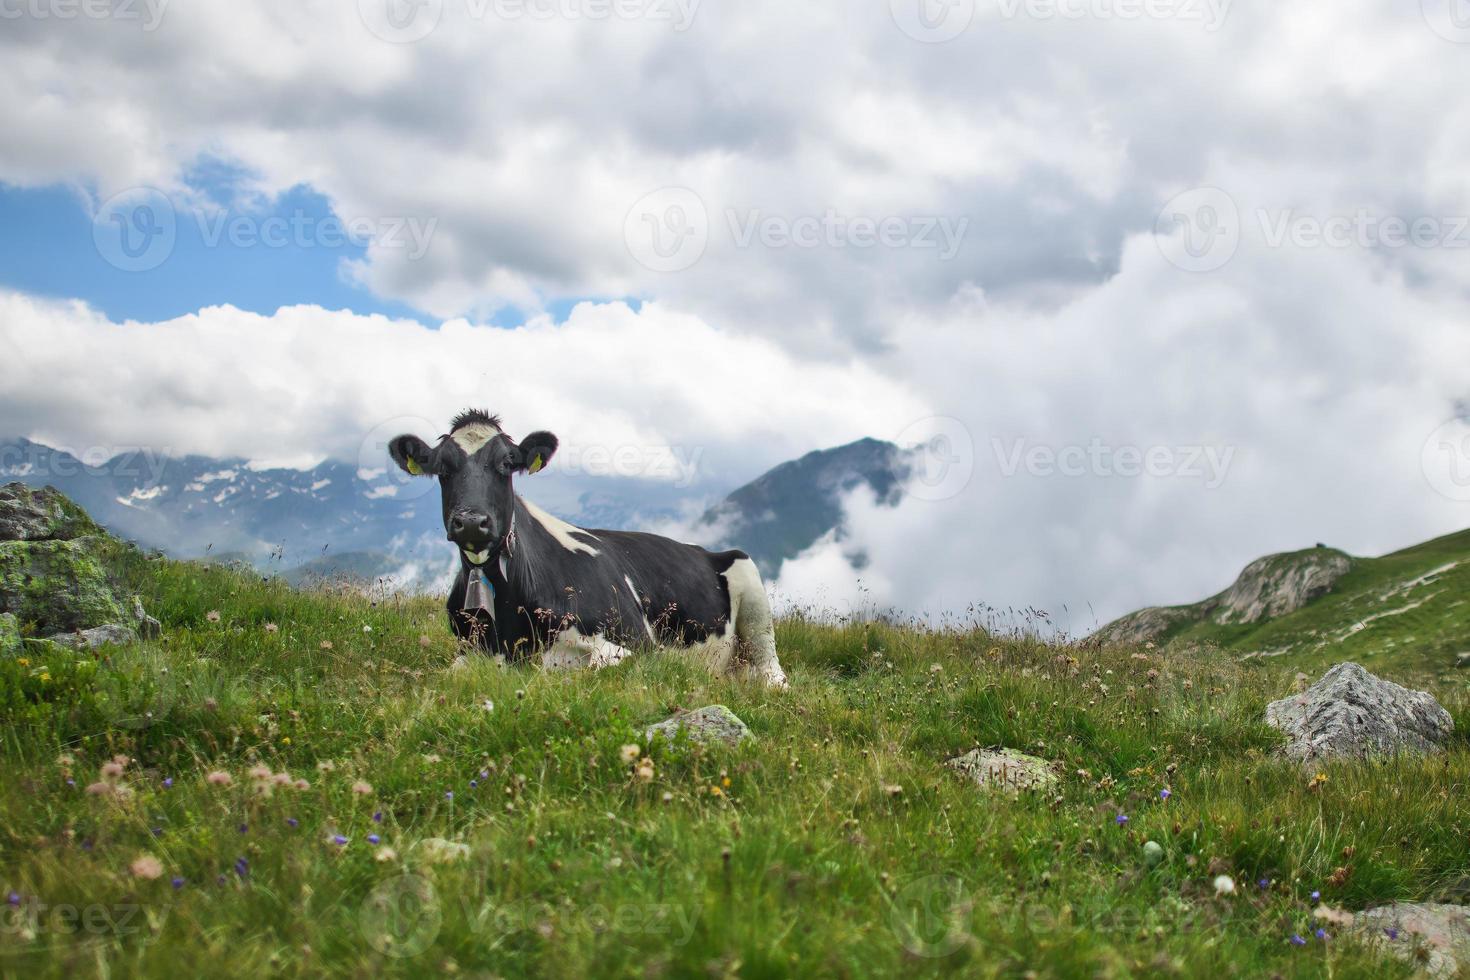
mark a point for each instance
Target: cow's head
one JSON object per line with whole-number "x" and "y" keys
{"x": 475, "y": 464}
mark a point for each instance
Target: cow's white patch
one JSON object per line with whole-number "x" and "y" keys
{"x": 560, "y": 529}
{"x": 750, "y": 614}
{"x": 574, "y": 650}
{"x": 472, "y": 437}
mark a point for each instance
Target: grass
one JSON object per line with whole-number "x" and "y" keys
{"x": 836, "y": 843}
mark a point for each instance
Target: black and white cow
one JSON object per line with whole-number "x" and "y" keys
{"x": 530, "y": 584}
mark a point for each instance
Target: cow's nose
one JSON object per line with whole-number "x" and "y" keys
{"x": 469, "y": 527}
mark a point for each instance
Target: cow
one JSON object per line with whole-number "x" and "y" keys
{"x": 530, "y": 584}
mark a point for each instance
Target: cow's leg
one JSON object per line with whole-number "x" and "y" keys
{"x": 573, "y": 650}
{"x": 755, "y": 628}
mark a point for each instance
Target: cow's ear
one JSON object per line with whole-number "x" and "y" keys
{"x": 537, "y": 450}
{"x": 412, "y": 454}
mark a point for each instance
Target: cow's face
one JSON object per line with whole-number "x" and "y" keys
{"x": 475, "y": 465}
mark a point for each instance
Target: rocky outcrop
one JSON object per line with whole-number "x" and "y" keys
{"x": 1004, "y": 770}
{"x": 715, "y": 723}
{"x": 1268, "y": 588}
{"x": 60, "y": 574}
{"x": 1436, "y": 938}
{"x": 1350, "y": 713}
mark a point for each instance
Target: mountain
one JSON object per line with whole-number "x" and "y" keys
{"x": 1323, "y": 606}
{"x": 790, "y": 508}
{"x": 336, "y": 522}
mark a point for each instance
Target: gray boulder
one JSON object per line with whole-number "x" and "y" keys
{"x": 715, "y": 723}
{"x": 1436, "y": 938}
{"x": 61, "y": 575}
{"x": 1350, "y": 713}
{"x": 1004, "y": 770}
{"x": 95, "y": 637}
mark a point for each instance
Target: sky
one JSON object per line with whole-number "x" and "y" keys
{"x": 1163, "y": 285}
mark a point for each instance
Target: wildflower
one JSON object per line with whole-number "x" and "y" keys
{"x": 425, "y": 642}
{"x": 111, "y": 771}
{"x": 385, "y": 854}
{"x": 292, "y": 822}
{"x": 147, "y": 867}
{"x": 177, "y": 883}
{"x": 1392, "y": 934}
{"x": 260, "y": 772}
{"x": 449, "y": 794}
{"x": 1322, "y": 934}
{"x": 432, "y": 758}
{"x": 218, "y": 778}
{"x": 13, "y": 898}
{"x": 212, "y": 615}
{"x": 1264, "y": 883}
{"x": 892, "y": 789}
{"x": 629, "y": 752}
{"x": 272, "y": 628}
{"x": 303, "y": 785}
{"x": 242, "y": 867}
{"x": 1121, "y": 819}
{"x": 23, "y": 661}
{"x": 339, "y": 840}
{"x": 1297, "y": 940}
{"x": 326, "y": 644}
{"x": 326, "y": 765}
{"x": 644, "y": 772}
{"x": 374, "y": 839}
{"x": 283, "y": 779}
{"x": 1165, "y": 793}
{"x": 488, "y": 705}
{"x": 1224, "y": 885}
{"x": 367, "y": 629}
{"x": 101, "y": 789}
{"x": 361, "y": 788}
{"x": 1316, "y": 896}
{"x": 168, "y": 782}
{"x": 378, "y": 817}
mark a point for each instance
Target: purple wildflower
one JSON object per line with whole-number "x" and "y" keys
{"x": 378, "y": 817}
{"x": 1391, "y": 933}
{"x": 339, "y": 840}
{"x": 449, "y": 795}
{"x": 157, "y": 831}
{"x": 292, "y": 822}
{"x": 1298, "y": 940}
{"x": 13, "y": 898}
{"x": 1121, "y": 819}
{"x": 71, "y": 782}
{"x": 1316, "y": 896}
{"x": 178, "y": 883}
{"x": 474, "y": 783}
{"x": 374, "y": 839}
{"x": 244, "y": 828}
{"x": 1264, "y": 883}
{"x": 1322, "y": 934}
{"x": 168, "y": 783}
{"x": 242, "y": 867}
{"x": 1165, "y": 793}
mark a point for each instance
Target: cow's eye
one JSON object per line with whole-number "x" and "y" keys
{"x": 504, "y": 465}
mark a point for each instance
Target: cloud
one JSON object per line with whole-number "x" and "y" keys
{"x": 651, "y": 394}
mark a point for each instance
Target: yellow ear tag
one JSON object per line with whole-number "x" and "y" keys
{"x": 536, "y": 464}
{"x": 415, "y": 468}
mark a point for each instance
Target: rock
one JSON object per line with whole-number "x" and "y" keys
{"x": 60, "y": 573}
{"x": 715, "y": 723}
{"x": 1280, "y": 584}
{"x": 1153, "y": 853}
{"x": 1350, "y": 713}
{"x": 90, "y": 639}
{"x": 1004, "y": 769}
{"x": 1463, "y": 660}
{"x": 9, "y": 634}
{"x": 1268, "y": 587}
{"x": 41, "y": 515}
{"x": 1435, "y": 937}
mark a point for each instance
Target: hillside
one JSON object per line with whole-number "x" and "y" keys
{"x": 299, "y": 783}
{"x": 1409, "y": 610}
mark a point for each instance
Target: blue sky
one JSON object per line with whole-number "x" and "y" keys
{"x": 47, "y": 248}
